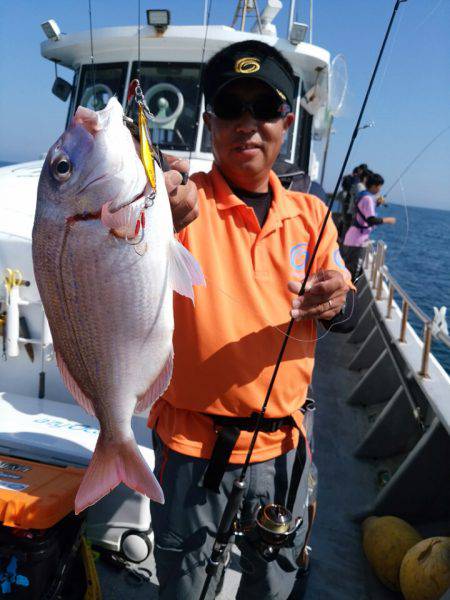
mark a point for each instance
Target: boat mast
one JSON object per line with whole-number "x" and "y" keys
{"x": 246, "y": 8}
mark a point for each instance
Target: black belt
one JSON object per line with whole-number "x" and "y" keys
{"x": 228, "y": 432}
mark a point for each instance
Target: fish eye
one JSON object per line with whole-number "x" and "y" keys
{"x": 62, "y": 168}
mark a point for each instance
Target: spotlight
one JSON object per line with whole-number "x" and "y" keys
{"x": 51, "y": 30}
{"x": 297, "y": 33}
{"x": 160, "y": 19}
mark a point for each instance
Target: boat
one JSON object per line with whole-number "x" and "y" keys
{"x": 380, "y": 384}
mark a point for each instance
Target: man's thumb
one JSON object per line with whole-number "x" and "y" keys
{"x": 173, "y": 180}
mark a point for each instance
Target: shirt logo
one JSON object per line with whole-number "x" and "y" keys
{"x": 247, "y": 65}
{"x": 299, "y": 256}
{"x": 338, "y": 260}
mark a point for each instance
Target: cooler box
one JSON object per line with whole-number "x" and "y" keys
{"x": 64, "y": 435}
{"x": 39, "y": 534}
{"x": 34, "y": 495}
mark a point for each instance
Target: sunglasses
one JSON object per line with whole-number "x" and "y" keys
{"x": 264, "y": 108}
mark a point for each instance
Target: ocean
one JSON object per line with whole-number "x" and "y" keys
{"x": 418, "y": 256}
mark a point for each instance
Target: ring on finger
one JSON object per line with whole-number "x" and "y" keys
{"x": 330, "y": 305}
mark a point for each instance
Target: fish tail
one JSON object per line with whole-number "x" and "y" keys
{"x": 113, "y": 463}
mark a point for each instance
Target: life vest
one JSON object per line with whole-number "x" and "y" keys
{"x": 357, "y": 212}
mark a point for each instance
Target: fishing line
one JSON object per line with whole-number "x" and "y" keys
{"x": 138, "y": 70}
{"x": 417, "y": 156}
{"x": 202, "y": 68}
{"x": 399, "y": 181}
{"x": 245, "y": 306}
{"x": 399, "y": 252}
{"x": 93, "y": 78}
{"x": 432, "y": 11}
{"x": 388, "y": 61}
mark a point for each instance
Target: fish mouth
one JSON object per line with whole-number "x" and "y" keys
{"x": 123, "y": 220}
{"x": 135, "y": 198}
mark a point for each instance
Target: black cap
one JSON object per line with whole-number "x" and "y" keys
{"x": 249, "y": 60}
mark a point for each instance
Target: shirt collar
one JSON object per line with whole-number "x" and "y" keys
{"x": 284, "y": 206}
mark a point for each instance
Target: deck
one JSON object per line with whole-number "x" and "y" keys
{"x": 346, "y": 486}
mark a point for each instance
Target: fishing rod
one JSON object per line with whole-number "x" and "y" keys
{"x": 267, "y": 522}
{"x": 416, "y": 157}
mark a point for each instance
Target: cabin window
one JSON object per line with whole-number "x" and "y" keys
{"x": 172, "y": 94}
{"x": 99, "y": 82}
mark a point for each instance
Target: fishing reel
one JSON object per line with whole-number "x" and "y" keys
{"x": 272, "y": 528}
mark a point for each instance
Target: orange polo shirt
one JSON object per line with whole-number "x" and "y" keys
{"x": 227, "y": 344}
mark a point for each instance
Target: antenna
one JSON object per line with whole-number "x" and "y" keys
{"x": 244, "y": 9}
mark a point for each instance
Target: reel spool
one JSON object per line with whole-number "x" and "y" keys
{"x": 273, "y": 528}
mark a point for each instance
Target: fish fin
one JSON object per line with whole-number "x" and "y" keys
{"x": 73, "y": 386}
{"x": 158, "y": 387}
{"x": 185, "y": 270}
{"x": 114, "y": 463}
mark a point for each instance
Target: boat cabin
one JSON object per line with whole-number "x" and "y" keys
{"x": 169, "y": 63}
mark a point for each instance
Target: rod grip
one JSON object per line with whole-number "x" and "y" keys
{"x": 230, "y": 512}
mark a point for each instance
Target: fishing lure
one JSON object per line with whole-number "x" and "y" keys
{"x": 147, "y": 155}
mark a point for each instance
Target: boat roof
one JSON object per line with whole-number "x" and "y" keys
{"x": 196, "y": 43}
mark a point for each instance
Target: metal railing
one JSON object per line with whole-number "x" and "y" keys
{"x": 381, "y": 279}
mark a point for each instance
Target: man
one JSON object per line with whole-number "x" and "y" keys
{"x": 364, "y": 220}
{"x": 253, "y": 239}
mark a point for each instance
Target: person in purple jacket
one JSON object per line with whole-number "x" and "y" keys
{"x": 364, "y": 220}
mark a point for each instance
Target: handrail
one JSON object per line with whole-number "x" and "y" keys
{"x": 378, "y": 277}
{"x": 404, "y": 295}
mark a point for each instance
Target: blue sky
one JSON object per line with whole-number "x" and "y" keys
{"x": 409, "y": 104}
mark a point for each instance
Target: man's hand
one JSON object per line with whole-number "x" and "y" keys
{"x": 183, "y": 198}
{"x": 324, "y": 296}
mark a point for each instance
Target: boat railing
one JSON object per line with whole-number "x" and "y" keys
{"x": 381, "y": 280}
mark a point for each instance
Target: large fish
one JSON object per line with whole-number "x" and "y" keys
{"x": 107, "y": 293}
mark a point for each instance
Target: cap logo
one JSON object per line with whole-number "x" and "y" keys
{"x": 247, "y": 65}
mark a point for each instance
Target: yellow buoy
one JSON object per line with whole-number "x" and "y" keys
{"x": 425, "y": 570}
{"x": 386, "y": 540}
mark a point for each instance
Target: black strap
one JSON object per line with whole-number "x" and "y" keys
{"x": 361, "y": 214}
{"x": 227, "y": 436}
{"x": 225, "y": 442}
{"x": 297, "y": 472}
{"x": 268, "y": 425}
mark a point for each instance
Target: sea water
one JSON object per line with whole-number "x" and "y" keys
{"x": 418, "y": 256}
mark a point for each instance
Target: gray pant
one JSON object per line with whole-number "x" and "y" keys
{"x": 185, "y": 526}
